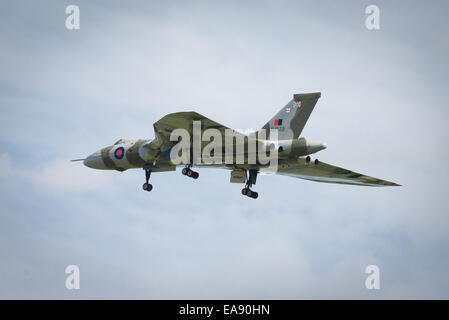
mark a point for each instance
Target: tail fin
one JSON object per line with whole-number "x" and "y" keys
{"x": 292, "y": 118}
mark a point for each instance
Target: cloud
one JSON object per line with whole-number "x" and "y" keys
{"x": 60, "y": 175}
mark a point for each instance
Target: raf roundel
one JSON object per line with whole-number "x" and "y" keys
{"x": 119, "y": 153}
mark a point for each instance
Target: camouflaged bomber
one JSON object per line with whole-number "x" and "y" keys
{"x": 281, "y": 134}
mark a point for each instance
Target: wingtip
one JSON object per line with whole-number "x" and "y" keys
{"x": 392, "y": 184}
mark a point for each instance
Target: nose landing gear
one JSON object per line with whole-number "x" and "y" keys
{"x": 147, "y": 186}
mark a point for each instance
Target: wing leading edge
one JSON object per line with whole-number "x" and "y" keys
{"x": 184, "y": 120}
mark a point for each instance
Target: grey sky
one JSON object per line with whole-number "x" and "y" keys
{"x": 65, "y": 94}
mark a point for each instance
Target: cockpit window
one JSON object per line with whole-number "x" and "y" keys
{"x": 118, "y": 142}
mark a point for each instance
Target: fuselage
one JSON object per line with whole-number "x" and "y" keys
{"x": 137, "y": 153}
{"x": 122, "y": 155}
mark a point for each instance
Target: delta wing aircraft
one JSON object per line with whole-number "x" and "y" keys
{"x": 293, "y": 153}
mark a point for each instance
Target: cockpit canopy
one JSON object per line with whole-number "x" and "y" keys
{"x": 122, "y": 141}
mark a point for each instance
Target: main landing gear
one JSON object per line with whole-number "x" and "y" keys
{"x": 147, "y": 186}
{"x": 190, "y": 173}
{"x": 249, "y": 183}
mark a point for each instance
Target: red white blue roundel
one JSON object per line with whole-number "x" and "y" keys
{"x": 119, "y": 153}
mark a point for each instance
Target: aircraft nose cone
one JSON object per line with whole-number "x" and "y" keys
{"x": 94, "y": 161}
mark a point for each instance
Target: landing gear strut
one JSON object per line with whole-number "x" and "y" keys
{"x": 249, "y": 183}
{"x": 147, "y": 186}
{"x": 189, "y": 172}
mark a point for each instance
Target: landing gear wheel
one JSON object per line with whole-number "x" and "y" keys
{"x": 189, "y": 172}
{"x": 249, "y": 182}
{"x": 147, "y": 186}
